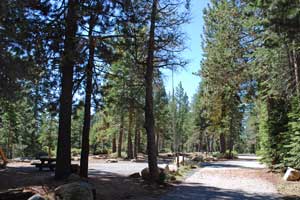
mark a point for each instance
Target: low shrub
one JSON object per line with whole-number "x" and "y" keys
{"x": 75, "y": 152}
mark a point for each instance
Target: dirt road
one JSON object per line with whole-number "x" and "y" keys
{"x": 237, "y": 179}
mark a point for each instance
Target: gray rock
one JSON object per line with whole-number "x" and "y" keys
{"x": 111, "y": 160}
{"x": 135, "y": 175}
{"x": 173, "y": 168}
{"x": 36, "y": 197}
{"x": 74, "y": 178}
{"x": 292, "y": 175}
{"x": 146, "y": 174}
{"x": 165, "y": 168}
{"x": 75, "y": 191}
{"x": 197, "y": 158}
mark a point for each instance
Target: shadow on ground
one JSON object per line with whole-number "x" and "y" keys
{"x": 198, "y": 192}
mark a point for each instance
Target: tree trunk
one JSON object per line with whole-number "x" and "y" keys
{"x": 121, "y": 133}
{"x": 85, "y": 146}
{"x": 149, "y": 116}
{"x": 157, "y": 142}
{"x": 212, "y": 147}
{"x": 63, "y": 162}
{"x": 139, "y": 148}
{"x": 222, "y": 143}
{"x": 296, "y": 68}
{"x": 129, "y": 138}
{"x": 114, "y": 143}
{"x": 136, "y": 135}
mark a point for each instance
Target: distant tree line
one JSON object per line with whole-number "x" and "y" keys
{"x": 248, "y": 99}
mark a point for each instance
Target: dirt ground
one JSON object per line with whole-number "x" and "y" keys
{"x": 109, "y": 186}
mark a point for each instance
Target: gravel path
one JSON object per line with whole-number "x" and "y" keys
{"x": 123, "y": 168}
{"x": 237, "y": 179}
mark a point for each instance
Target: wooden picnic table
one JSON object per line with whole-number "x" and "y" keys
{"x": 46, "y": 162}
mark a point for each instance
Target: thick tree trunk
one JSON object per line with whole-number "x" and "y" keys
{"x": 63, "y": 162}
{"x": 121, "y": 133}
{"x": 149, "y": 116}
{"x": 129, "y": 138}
{"x": 85, "y": 146}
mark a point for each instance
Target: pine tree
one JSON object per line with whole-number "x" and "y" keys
{"x": 63, "y": 163}
{"x": 292, "y": 156}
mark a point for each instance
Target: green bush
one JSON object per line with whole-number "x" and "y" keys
{"x": 226, "y": 155}
{"x": 75, "y": 152}
{"x": 101, "y": 151}
{"x": 115, "y": 155}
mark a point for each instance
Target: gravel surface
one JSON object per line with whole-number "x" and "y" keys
{"x": 122, "y": 168}
{"x": 236, "y": 179}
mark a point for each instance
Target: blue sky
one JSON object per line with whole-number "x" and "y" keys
{"x": 194, "y": 31}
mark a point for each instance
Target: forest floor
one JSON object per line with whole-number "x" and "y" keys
{"x": 110, "y": 179}
{"x": 243, "y": 178}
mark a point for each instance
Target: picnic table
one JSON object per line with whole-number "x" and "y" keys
{"x": 46, "y": 162}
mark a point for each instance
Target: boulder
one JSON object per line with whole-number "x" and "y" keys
{"x": 292, "y": 175}
{"x": 173, "y": 168}
{"x": 36, "y": 197}
{"x": 146, "y": 175}
{"x": 75, "y": 191}
{"x": 111, "y": 160}
{"x": 74, "y": 178}
{"x": 135, "y": 175}
{"x": 197, "y": 158}
{"x": 165, "y": 168}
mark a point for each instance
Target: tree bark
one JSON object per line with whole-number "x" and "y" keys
{"x": 136, "y": 135}
{"x": 114, "y": 143}
{"x": 85, "y": 146}
{"x": 157, "y": 142}
{"x": 149, "y": 116}
{"x": 129, "y": 138}
{"x": 296, "y": 68}
{"x": 63, "y": 162}
{"x": 139, "y": 148}
{"x": 222, "y": 143}
{"x": 121, "y": 133}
